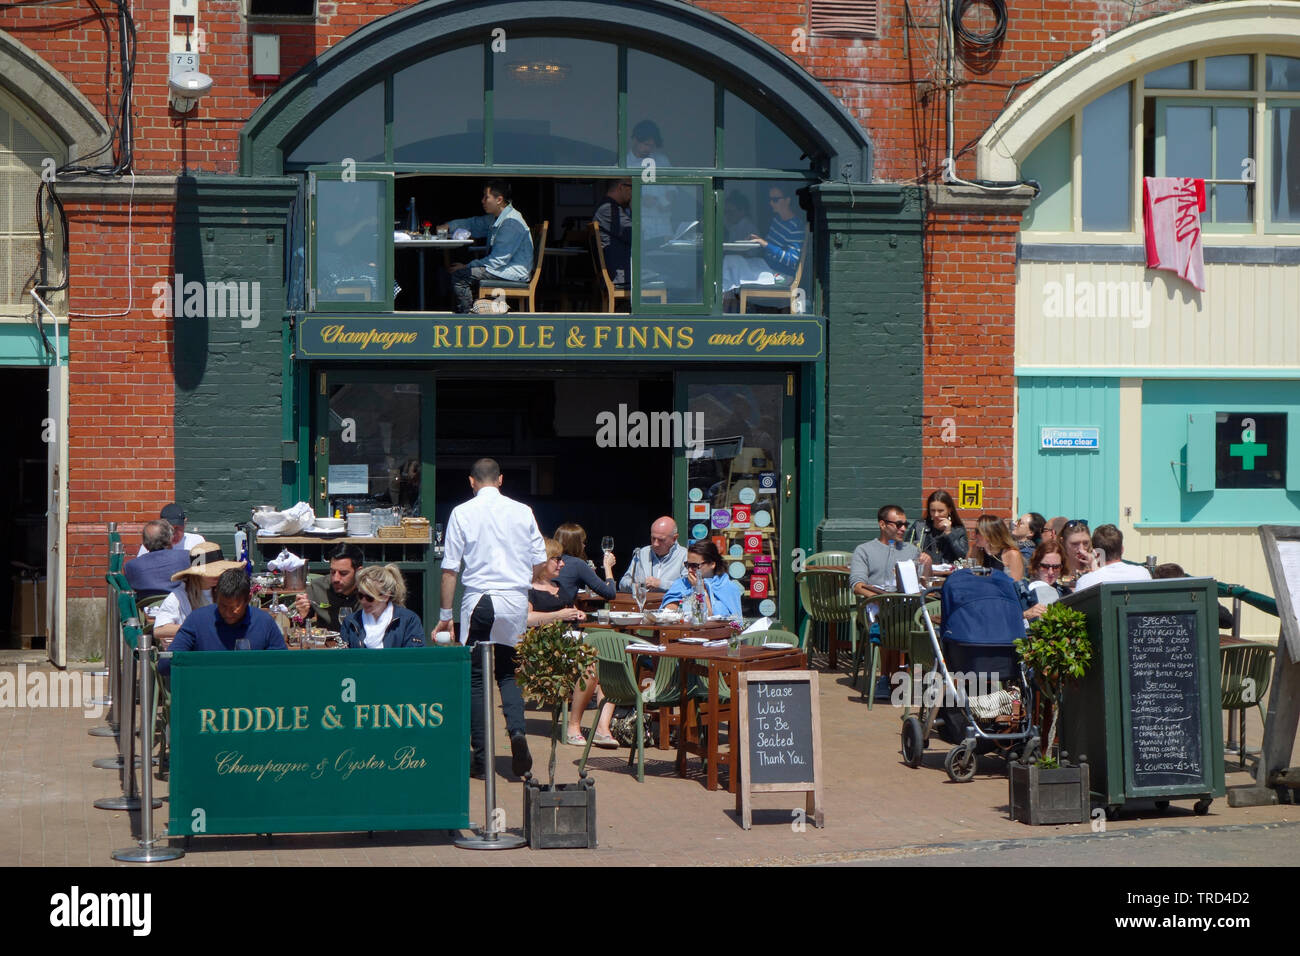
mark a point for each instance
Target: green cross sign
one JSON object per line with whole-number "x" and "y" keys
{"x": 1248, "y": 451}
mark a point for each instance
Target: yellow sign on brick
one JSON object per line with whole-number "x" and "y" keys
{"x": 970, "y": 494}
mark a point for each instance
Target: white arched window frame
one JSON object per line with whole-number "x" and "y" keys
{"x": 25, "y": 145}
{"x": 1063, "y": 130}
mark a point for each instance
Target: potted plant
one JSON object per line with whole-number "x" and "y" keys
{"x": 1044, "y": 787}
{"x": 550, "y": 663}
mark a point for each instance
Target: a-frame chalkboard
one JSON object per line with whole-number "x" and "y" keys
{"x": 780, "y": 739}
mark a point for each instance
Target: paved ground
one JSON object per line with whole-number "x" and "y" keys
{"x": 877, "y": 811}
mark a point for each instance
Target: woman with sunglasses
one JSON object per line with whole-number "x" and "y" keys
{"x": 1045, "y": 569}
{"x": 991, "y": 547}
{"x": 781, "y": 250}
{"x": 721, "y": 593}
{"x": 940, "y": 534}
{"x": 381, "y": 620}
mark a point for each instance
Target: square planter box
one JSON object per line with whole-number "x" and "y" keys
{"x": 563, "y": 818}
{"x": 1039, "y": 796}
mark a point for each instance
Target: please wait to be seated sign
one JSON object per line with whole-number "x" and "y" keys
{"x": 1081, "y": 437}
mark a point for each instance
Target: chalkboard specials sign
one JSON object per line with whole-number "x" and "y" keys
{"x": 780, "y": 740}
{"x": 1164, "y": 710}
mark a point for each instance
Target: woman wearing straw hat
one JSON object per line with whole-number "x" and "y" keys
{"x": 382, "y": 620}
{"x": 200, "y": 579}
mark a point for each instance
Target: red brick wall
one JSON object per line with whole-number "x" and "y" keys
{"x": 120, "y": 395}
{"x": 969, "y": 345}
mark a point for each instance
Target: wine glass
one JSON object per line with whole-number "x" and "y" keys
{"x": 639, "y": 595}
{"x": 607, "y": 544}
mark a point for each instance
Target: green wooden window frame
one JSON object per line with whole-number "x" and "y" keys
{"x": 1208, "y": 223}
{"x": 1265, "y": 191}
{"x": 383, "y": 301}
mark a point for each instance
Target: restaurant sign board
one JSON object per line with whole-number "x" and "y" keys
{"x": 762, "y": 338}
{"x": 319, "y": 741}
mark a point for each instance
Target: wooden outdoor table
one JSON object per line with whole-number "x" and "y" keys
{"x": 719, "y": 665}
{"x": 663, "y": 633}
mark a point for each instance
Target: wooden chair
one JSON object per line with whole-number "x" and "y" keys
{"x": 493, "y": 287}
{"x": 649, "y": 290}
{"x": 784, "y": 292}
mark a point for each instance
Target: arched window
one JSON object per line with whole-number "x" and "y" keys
{"x": 27, "y": 149}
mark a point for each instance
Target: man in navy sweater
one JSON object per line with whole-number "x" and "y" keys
{"x": 228, "y": 625}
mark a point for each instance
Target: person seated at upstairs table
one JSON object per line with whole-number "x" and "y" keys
{"x": 574, "y": 569}
{"x": 229, "y": 624}
{"x": 1109, "y": 540}
{"x": 781, "y": 250}
{"x": 1045, "y": 566}
{"x": 614, "y": 217}
{"x": 510, "y": 246}
{"x": 659, "y": 563}
{"x": 871, "y": 569}
{"x": 150, "y": 574}
{"x": 940, "y": 534}
{"x": 383, "y": 619}
{"x": 722, "y": 593}
{"x": 991, "y": 547}
{"x": 331, "y": 600}
{"x": 182, "y": 540}
{"x": 197, "y": 589}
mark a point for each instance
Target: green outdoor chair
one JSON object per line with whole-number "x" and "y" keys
{"x": 896, "y": 615}
{"x": 827, "y": 599}
{"x": 1247, "y": 670}
{"x": 618, "y": 682}
{"x": 814, "y": 633}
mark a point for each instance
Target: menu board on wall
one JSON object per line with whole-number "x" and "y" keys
{"x": 1164, "y": 702}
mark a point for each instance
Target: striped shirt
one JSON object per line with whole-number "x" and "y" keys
{"x": 784, "y": 244}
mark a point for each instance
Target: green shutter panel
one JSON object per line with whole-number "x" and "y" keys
{"x": 1200, "y": 452}
{"x": 1292, "y": 451}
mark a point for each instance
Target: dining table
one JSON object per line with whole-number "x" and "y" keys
{"x": 402, "y": 240}
{"x": 719, "y": 666}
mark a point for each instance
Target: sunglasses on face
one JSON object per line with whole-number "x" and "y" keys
{"x": 1050, "y": 567}
{"x": 776, "y": 199}
{"x": 367, "y": 598}
{"x": 896, "y": 524}
{"x": 696, "y": 564}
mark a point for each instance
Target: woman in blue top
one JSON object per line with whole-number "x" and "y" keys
{"x": 721, "y": 593}
{"x": 575, "y": 571}
{"x": 381, "y": 620}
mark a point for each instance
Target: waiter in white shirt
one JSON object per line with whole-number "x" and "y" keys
{"x": 498, "y": 542}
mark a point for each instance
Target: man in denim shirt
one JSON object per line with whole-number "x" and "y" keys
{"x": 510, "y": 246}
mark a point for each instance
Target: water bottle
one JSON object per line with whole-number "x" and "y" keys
{"x": 412, "y": 220}
{"x": 241, "y": 550}
{"x": 698, "y": 600}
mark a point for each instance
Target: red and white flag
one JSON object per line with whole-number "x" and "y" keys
{"x": 1171, "y": 212}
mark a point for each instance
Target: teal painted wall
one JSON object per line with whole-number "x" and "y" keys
{"x": 1057, "y": 481}
{"x": 1165, "y": 407}
{"x": 20, "y": 344}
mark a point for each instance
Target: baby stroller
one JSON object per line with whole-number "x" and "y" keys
{"x": 977, "y": 694}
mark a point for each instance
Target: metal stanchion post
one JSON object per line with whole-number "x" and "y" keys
{"x": 127, "y": 761}
{"x": 147, "y": 849}
{"x": 1231, "y": 745}
{"x": 107, "y": 701}
{"x": 489, "y": 838}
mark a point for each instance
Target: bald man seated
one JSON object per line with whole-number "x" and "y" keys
{"x": 661, "y": 562}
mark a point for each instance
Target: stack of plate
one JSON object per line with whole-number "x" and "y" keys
{"x": 359, "y": 524}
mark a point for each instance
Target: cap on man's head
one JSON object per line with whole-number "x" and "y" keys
{"x": 173, "y": 513}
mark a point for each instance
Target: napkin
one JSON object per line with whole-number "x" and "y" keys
{"x": 285, "y": 561}
{"x": 289, "y": 521}
{"x": 762, "y": 624}
{"x": 461, "y": 234}
{"x": 645, "y": 647}
{"x": 715, "y": 643}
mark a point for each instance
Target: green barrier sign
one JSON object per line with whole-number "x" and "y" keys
{"x": 761, "y": 338}
{"x": 316, "y": 741}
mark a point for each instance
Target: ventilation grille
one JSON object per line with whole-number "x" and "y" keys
{"x": 844, "y": 18}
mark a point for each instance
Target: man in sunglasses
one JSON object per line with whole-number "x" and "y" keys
{"x": 872, "y": 569}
